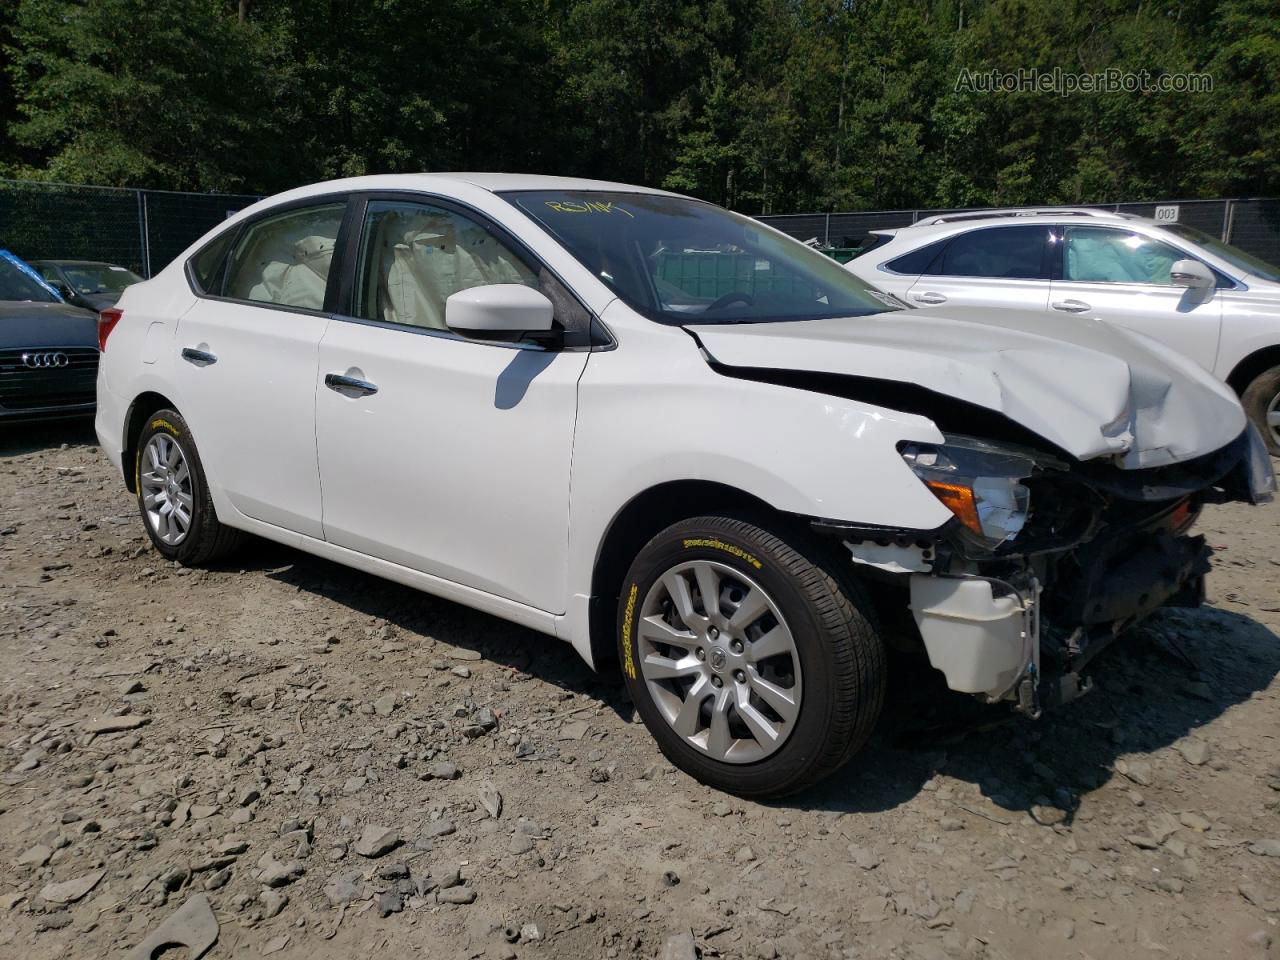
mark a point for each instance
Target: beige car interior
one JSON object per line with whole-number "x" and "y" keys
{"x": 286, "y": 259}
{"x": 416, "y": 256}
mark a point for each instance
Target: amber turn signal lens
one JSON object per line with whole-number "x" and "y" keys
{"x": 959, "y": 500}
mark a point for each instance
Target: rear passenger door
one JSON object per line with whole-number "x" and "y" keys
{"x": 1004, "y": 266}
{"x": 246, "y": 364}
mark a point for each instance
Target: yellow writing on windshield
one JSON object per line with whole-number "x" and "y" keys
{"x": 588, "y": 206}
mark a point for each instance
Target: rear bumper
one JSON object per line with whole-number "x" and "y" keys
{"x": 109, "y": 425}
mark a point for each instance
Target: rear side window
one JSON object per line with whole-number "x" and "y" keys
{"x": 207, "y": 266}
{"x": 1009, "y": 253}
{"x": 917, "y": 261}
{"x": 285, "y": 259}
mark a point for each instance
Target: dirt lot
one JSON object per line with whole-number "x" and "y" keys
{"x": 287, "y": 716}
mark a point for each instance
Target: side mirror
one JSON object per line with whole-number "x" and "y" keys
{"x": 498, "y": 311}
{"x": 1191, "y": 273}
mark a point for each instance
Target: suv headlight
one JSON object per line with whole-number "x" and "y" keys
{"x": 978, "y": 482}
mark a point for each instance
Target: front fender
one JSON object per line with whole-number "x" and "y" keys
{"x": 654, "y": 412}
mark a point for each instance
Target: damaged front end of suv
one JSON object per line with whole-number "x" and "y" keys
{"x": 1048, "y": 559}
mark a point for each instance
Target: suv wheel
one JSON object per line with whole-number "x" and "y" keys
{"x": 1261, "y": 400}
{"x": 173, "y": 496}
{"x": 755, "y": 670}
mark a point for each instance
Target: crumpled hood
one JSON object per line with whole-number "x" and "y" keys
{"x": 27, "y": 324}
{"x": 1092, "y": 389}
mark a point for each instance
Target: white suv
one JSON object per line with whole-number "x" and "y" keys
{"x": 671, "y": 436}
{"x": 1207, "y": 299}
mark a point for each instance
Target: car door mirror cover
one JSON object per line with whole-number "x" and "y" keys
{"x": 1192, "y": 274}
{"x": 498, "y": 309}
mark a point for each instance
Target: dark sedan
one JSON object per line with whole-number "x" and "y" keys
{"x": 48, "y": 349}
{"x": 91, "y": 284}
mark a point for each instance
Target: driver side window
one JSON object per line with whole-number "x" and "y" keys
{"x": 1102, "y": 255}
{"x": 413, "y": 256}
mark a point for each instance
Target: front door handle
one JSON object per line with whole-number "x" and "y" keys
{"x": 930, "y": 298}
{"x": 342, "y": 383}
{"x": 201, "y": 358}
{"x": 1071, "y": 306}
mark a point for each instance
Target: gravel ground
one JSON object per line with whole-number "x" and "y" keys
{"x": 340, "y": 766}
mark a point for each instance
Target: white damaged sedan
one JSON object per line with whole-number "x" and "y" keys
{"x": 675, "y": 438}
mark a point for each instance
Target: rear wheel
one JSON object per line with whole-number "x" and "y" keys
{"x": 1261, "y": 400}
{"x": 755, "y": 670}
{"x": 173, "y": 496}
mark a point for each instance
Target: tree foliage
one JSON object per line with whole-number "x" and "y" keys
{"x": 765, "y": 105}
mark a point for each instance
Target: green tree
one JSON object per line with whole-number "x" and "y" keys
{"x": 164, "y": 93}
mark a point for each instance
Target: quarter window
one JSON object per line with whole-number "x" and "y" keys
{"x": 1100, "y": 255}
{"x": 414, "y": 256}
{"x": 285, "y": 259}
{"x": 207, "y": 265}
{"x": 1010, "y": 253}
{"x": 917, "y": 261}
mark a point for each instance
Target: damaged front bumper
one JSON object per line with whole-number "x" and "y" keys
{"x": 1022, "y": 622}
{"x": 988, "y": 636}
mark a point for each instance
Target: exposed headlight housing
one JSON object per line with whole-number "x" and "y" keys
{"x": 978, "y": 482}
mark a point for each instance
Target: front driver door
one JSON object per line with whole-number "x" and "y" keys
{"x": 246, "y": 368}
{"x": 1122, "y": 276}
{"x": 458, "y": 464}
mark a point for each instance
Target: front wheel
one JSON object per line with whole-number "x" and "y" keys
{"x": 1261, "y": 401}
{"x": 173, "y": 496}
{"x": 756, "y": 671}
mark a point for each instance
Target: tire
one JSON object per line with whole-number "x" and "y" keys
{"x": 1261, "y": 401}
{"x": 203, "y": 539}
{"x": 835, "y": 666}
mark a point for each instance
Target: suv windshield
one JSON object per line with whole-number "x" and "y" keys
{"x": 98, "y": 277}
{"x": 16, "y": 283}
{"x": 1233, "y": 255}
{"x": 685, "y": 261}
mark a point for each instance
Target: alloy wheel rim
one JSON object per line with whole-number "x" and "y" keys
{"x": 1273, "y": 418}
{"x": 726, "y": 674}
{"x": 166, "y": 489}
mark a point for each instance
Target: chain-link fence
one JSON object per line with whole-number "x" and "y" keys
{"x": 139, "y": 229}
{"x": 1252, "y": 225}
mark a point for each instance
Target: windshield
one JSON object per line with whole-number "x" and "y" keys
{"x": 1246, "y": 262}
{"x": 684, "y": 261}
{"x": 98, "y": 277}
{"x": 17, "y": 282}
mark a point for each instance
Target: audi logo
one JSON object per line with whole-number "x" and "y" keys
{"x": 37, "y": 361}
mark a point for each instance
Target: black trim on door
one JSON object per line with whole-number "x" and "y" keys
{"x": 1055, "y": 251}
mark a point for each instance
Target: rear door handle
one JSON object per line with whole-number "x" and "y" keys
{"x": 1071, "y": 306}
{"x": 929, "y": 297}
{"x": 342, "y": 383}
{"x": 201, "y": 358}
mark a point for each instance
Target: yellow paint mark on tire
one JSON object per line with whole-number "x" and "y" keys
{"x": 628, "y": 661}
